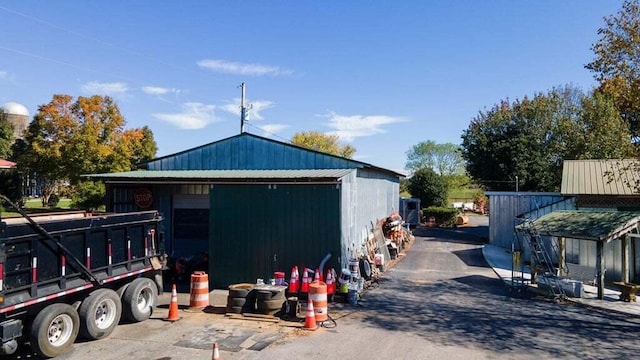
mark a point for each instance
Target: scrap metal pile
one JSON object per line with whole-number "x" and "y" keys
{"x": 396, "y": 234}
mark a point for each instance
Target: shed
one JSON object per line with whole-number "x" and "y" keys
{"x": 253, "y": 205}
{"x": 410, "y": 211}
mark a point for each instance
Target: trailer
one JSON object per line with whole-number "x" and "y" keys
{"x": 64, "y": 277}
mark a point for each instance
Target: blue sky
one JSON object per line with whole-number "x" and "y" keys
{"x": 383, "y": 75}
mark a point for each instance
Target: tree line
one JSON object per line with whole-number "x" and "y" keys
{"x": 522, "y": 143}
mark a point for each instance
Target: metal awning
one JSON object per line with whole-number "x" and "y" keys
{"x": 594, "y": 225}
{"x": 221, "y": 176}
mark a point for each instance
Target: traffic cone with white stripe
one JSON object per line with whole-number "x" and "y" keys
{"x": 294, "y": 281}
{"x": 310, "y": 318}
{"x": 216, "y": 352}
{"x": 331, "y": 285}
{"x": 304, "y": 287}
{"x": 173, "y": 306}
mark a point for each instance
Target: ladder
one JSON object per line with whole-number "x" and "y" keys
{"x": 542, "y": 257}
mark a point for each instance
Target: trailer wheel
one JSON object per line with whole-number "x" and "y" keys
{"x": 99, "y": 314}
{"x": 139, "y": 299}
{"x": 54, "y": 330}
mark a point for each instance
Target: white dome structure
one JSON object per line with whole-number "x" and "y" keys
{"x": 14, "y": 108}
{"x": 18, "y": 116}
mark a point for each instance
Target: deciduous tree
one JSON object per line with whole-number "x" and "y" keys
{"x": 429, "y": 187}
{"x": 444, "y": 159}
{"x": 69, "y": 138}
{"x": 318, "y": 141}
{"x": 616, "y": 65}
{"x": 531, "y": 138}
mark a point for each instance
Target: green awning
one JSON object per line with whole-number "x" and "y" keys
{"x": 604, "y": 225}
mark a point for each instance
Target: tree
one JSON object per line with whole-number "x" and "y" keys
{"x": 318, "y": 141}
{"x": 429, "y": 187}
{"x": 6, "y": 136}
{"x": 69, "y": 138}
{"x": 617, "y": 62}
{"x": 444, "y": 159}
{"x": 530, "y": 139}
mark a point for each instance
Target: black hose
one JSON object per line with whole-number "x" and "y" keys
{"x": 329, "y": 324}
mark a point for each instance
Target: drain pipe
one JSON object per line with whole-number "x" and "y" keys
{"x": 323, "y": 262}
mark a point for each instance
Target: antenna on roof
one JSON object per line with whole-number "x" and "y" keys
{"x": 244, "y": 110}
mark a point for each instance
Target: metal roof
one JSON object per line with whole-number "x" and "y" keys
{"x": 594, "y": 225}
{"x": 600, "y": 177}
{"x": 223, "y": 175}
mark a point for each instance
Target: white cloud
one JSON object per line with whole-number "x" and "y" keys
{"x": 95, "y": 87}
{"x": 230, "y": 67}
{"x": 349, "y": 127}
{"x": 4, "y": 74}
{"x": 157, "y": 90}
{"x": 193, "y": 116}
{"x": 272, "y": 129}
{"x": 255, "y": 108}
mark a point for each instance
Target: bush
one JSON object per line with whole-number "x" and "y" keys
{"x": 443, "y": 215}
{"x": 429, "y": 187}
{"x": 53, "y": 201}
{"x": 89, "y": 196}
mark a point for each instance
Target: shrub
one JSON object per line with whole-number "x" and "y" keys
{"x": 443, "y": 215}
{"x": 53, "y": 201}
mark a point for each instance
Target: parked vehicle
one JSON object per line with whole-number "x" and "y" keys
{"x": 65, "y": 276}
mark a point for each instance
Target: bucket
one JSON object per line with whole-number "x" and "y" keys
{"x": 318, "y": 294}
{"x": 353, "y": 297}
{"x": 199, "y": 290}
{"x": 279, "y": 278}
{"x": 293, "y": 307}
{"x": 344, "y": 280}
{"x": 354, "y": 267}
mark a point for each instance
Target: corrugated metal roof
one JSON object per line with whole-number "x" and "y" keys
{"x": 220, "y": 175}
{"x": 600, "y": 177}
{"x": 586, "y": 225}
{"x": 250, "y": 151}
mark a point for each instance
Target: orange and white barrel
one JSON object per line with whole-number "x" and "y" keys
{"x": 318, "y": 294}
{"x": 199, "y": 290}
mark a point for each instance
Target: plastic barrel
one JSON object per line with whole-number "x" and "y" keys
{"x": 279, "y": 278}
{"x": 199, "y": 290}
{"x": 318, "y": 294}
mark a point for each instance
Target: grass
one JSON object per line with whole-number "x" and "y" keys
{"x": 464, "y": 195}
{"x": 34, "y": 206}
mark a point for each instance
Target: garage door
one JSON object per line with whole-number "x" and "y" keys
{"x": 259, "y": 229}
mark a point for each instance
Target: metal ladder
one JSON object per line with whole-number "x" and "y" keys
{"x": 543, "y": 258}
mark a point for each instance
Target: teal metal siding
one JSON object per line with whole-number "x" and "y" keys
{"x": 259, "y": 229}
{"x": 249, "y": 152}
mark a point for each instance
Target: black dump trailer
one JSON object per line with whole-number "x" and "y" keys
{"x": 63, "y": 277}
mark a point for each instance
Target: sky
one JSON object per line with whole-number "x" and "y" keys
{"x": 382, "y": 75}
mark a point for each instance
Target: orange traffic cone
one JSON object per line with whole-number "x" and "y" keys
{"x": 331, "y": 285}
{"x": 304, "y": 288}
{"x": 173, "y": 306}
{"x": 317, "y": 277}
{"x": 310, "y": 318}
{"x": 294, "y": 284}
{"x": 216, "y": 352}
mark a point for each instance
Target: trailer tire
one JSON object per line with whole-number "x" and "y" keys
{"x": 231, "y": 301}
{"x": 139, "y": 299}
{"x": 54, "y": 330}
{"x": 240, "y": 290}
{"x": 365, "y": 269}
{"x": 99, "y": 314}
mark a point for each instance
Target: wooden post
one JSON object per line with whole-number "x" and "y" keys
{"x": 600, "y": 269}
{"x": 562, "y": 256}
{"x": 625, "y": 258}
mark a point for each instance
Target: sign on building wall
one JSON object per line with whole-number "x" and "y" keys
{"x": 143, "y": 198}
